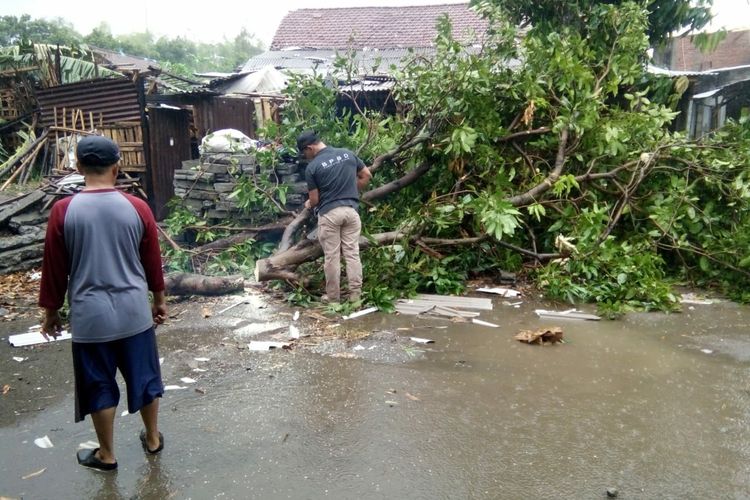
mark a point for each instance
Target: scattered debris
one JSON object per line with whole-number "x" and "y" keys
{"x": 442, "y": 305}
{"x": 412, "y": 397}
{"x": 503, "y": 292}
{"x": 392, "y": 403}
{"x": 16, "y": 358}
{"x": 244, "y": 300}
{"x": 199, "y": 370}
{"x": 691, "y": 298}
{"x": 187, "y": 380}
{"x": 296, "y": 316}
{"x": 124, "y": 413}
{"x": 259, "y": 345}
{"x": 363, "y": 312}
{"x": 33, "y": 338}
{"x": 202, "y": 359}
{"x": 569, "y": 314}
{"x": 88, "y": 445}
{"x": 484, "y": 323}
{"x": 43, "y": 442}
{"x": 6, "y": 389}
{"x": 358, "y": 347}
{"x": 34, "y": 474}
{"x": 206, "y": 312}
{"x": 200, "y": 390}
{"x": 173, "y": 387}
{"x": 707, "y": 351}
{"x": 612, "y": 493}
{"x": 542, "y": 336}
{"x": 293, "y": 331}
{"x": 419, "y": 340}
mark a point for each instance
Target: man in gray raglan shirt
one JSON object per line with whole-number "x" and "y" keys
{"x": 102, "y": 250}
{"x": 335, "y": 176}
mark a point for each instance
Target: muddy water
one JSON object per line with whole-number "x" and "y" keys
{"x": 656, "y": 406}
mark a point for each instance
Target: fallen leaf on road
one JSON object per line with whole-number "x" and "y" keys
{"x": 412, "y": 397}
{"x": 6, "y": 389}
{"x": 543, "y": 336}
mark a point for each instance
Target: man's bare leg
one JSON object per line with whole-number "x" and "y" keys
{"x": 104, "y": 423}
{"x": 150, "y": 416}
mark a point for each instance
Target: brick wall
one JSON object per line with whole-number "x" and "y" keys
{"x": 682, "y": 55}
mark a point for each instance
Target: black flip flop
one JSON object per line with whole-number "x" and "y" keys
{"x": 87, "y": 458}
{"x": 144, "y": 443}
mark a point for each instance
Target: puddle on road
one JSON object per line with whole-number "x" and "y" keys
{"x": 631, "y": 404}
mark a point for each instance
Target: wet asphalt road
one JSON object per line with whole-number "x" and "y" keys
{"x": 653, "y": 405}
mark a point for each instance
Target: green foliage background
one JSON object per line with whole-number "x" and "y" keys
{"x": 179, "y": 55}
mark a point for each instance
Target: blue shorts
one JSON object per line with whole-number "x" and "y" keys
{"x": 95, "y": 365}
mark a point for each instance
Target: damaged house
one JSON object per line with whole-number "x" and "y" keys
{"x": 718, "y": 81}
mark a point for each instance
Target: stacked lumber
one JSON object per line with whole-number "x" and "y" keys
{"x": 22, "y": 229}
{"x": 23, "y": 219}
{"x": 206, "y": 185}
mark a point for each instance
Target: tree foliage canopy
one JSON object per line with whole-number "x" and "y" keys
{"x": 547, "y": 153}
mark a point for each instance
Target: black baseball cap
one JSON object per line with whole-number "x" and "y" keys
{"x": 305, "y": 139}
{"x": 97, "y": 151}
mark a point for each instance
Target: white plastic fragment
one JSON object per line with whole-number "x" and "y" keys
{"x": 569, "y": 314}
{"x": 124, "y": 413}
{"x": 88, "y": 445}
{"x": 419, "y": 340}
{"x": 260, "y": 345}
{"x": 707, "y": 351}
{"x": 293, "y": 332}
{"x": 161, "y": 360}
{"x": 503, "y": 292}
{"x": 199, "y": 370}
{"x": 173, "y": 387}
{"x": 202, "y": 359}
{"x": 16, "y": 358}
{"x": 483, "y": 323}
{"x": 363, "y": 312}
{"x": 296, "y": 316}
{"x": 187, "y": 380}
{"x": 33, "y": 338}
{"x": 359, "y": 347}
{"x": 43, "y": 442}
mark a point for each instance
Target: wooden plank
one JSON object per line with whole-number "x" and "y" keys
{"x": 20, "y": 205}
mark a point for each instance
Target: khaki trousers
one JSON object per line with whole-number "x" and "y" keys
{"x": 338, "y": 234}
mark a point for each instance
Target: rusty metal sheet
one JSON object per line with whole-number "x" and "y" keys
{"x": 112, "y": 100}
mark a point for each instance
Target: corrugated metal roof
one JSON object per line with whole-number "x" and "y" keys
{"x": 267, "y": 80}
{"x": 368, "y": 85}
{"x": 116, "y": 100}
{"x": 321, "y": 60}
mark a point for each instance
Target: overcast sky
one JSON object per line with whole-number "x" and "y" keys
{"x": 212, "y": 21}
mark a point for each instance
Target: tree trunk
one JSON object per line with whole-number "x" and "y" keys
{"x": 196, "y": 284}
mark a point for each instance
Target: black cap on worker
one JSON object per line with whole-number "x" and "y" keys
{"x": 97, "y": 151}
{"x": 305, "y": 139}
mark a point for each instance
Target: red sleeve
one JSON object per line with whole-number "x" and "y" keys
{"x": 56, "y": 265}
{"x": 149, "y": 248}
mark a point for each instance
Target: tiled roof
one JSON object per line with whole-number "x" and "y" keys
{"x": 374, "y": 27}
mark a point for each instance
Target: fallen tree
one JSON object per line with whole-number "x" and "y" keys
{"x": 550, "y": 157}
{"x": 196, "y": 284}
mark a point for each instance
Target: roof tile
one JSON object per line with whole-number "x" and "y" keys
{"x": 374, "y": 27}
